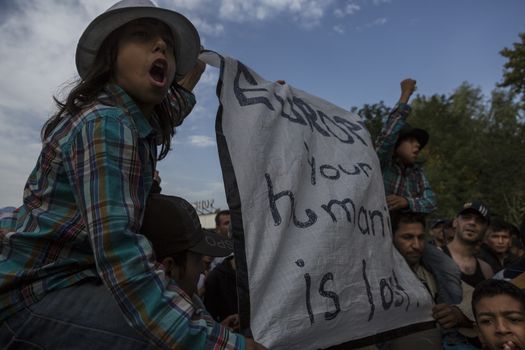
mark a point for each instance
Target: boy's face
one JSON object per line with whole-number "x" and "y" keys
{"x": 501, "y": 322}
{"x": 145, "y": 66}
{"x": 498, "y": 241}
{"x": 408, "y": 150}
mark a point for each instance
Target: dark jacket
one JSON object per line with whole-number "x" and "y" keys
{"x": 220, "y": 296}
{"x": 487, "y": 255}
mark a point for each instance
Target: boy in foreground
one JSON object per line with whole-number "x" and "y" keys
{"x": 499, "y": 309}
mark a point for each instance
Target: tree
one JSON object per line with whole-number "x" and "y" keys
{"x": 476, "y": 148}
{"x": 505, "y": 170}
{"x": 373, "y": 116}
{"x": 514, "y": 69}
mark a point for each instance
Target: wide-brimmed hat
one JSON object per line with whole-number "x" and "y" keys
{"x": 172, "y": 226}
{"x": 420, "y": 134}
{"x": 187, "y": 40}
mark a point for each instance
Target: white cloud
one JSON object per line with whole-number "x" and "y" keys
{"x": 348, "y": 10}
{"x": 339, "y": 29}
{"x": 352, "y": 8}
{"x": 37, "y": 46}
{"x": 20, "y": 147}
{"x": 205, "y": 27}
{"x": 201, "y": 141}
{"x": 379, "y": 21}
{"x": 184, "y": 5}
{"x": 380, "y": 2}
{"x": 306, "y": 12}
{"x": 375, "y": 23}
{"x": 38, "y": 55}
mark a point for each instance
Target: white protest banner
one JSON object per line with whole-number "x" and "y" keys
{"x": 315, "y": 260}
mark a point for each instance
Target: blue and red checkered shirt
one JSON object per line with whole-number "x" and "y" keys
{"x": 408, "y": 181}
{"x": 82, "y": 211}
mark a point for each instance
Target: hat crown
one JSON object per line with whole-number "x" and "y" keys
{"x": 131, "y": 3}
{"x": 187, "y": 40}
{"x": 172, "y": 225}
{"x": 478, "y": 206}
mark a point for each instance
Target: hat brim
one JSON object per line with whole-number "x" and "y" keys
{"x": 213, "y": 244}
{"x": 420, "y": 134}
{"x": 187, "y": 40}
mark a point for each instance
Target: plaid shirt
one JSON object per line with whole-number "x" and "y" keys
{"x": 408, "y": 181}
{"x": 83, "y": 206}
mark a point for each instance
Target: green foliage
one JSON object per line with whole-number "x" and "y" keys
{"x": 476, "y": 148}
{"x": 514, "y": 69}
{"x": 373, "y": 115}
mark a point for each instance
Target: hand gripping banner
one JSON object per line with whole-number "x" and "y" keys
{"x": 316, "y": 266}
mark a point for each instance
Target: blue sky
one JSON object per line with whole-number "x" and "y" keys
{"x": 347, "y": 52}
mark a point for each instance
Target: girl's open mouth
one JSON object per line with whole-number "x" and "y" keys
{"x": 158, "y": 71}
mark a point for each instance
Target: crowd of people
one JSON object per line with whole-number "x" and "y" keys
{"x": 98, "y": 258}
{"x": 470, "y": 249}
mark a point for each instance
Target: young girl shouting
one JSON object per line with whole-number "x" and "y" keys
{"x": 74, "y": 272}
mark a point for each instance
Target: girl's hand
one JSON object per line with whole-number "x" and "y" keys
{"x": 192, "y": 77}
{"x": 252, "y": 345}
{"x": 231, "y": 322}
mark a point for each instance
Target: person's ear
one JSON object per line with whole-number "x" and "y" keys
{"x": 480, "y": 335}
{"x": 169, "y": 266}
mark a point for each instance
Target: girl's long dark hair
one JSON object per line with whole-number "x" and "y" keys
{"x": 166, "y": 116}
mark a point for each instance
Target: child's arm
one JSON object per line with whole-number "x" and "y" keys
{"x": 106, "y": 167}
{"x": 386, "y": 141}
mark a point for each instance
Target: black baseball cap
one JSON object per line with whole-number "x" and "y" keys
{"x": 437, "y": 222}
{"x": 172, "y": 225}
{"x": 420, "y": 134}
{"x": 476, "y": 206}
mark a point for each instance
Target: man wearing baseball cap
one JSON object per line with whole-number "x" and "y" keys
{"x": 172, "y": 226}
{"x": 470, "y": 225}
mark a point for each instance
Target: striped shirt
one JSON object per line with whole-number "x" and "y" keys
{"x": 82, "y": 211}
{"x": 408, "y": 181}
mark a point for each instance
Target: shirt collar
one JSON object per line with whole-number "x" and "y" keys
{"x": 115, "y": 95}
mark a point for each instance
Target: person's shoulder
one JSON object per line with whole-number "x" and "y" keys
{"x": 101, "y": 113}
{"x": 485, "y": 268}
{"x": 100, "y": 110}
{"x": 484, "y": 252}
{"x": 95, "y": 116}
